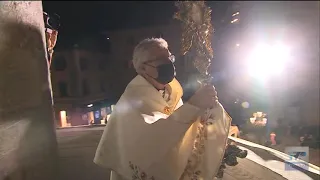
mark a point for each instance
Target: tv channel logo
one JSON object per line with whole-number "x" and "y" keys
{"x": 296, "y": 154}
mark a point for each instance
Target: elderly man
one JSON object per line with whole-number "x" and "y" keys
{"x": 149, "y": 134}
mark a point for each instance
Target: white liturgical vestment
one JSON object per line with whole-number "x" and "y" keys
{"x": 149, "y": 136}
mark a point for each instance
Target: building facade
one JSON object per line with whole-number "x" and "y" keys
{"x": 81, "y": 90}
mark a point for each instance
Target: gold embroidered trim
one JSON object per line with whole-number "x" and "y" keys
{"x": 191, "y": 171}
{"x": 138, "y": 174}
{"x": 167, "y": 110}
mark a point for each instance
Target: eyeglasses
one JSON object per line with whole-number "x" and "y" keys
{"x": 170, "y": 58}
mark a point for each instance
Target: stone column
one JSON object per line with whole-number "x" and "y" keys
{"x": 28, "y": 148}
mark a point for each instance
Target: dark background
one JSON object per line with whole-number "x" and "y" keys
{"x": 87, "y": 18}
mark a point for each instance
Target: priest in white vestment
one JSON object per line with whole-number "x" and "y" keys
{"x": 151, "y": 134}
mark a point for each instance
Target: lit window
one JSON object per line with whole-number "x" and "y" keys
{"x": 63, "y": 118}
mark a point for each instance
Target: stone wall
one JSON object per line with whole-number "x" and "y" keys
{"x": 27, "y": 136}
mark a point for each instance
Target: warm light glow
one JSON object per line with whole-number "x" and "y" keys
{"x": 259, "y": 119}
{"x": 237, "y": 13}
{"x": 89, "y": 105}
{"x": 63, "y": 118}
{"x": 245, "y": 105}
{"x": 104, "y": 112}
{"x": 91, "y": 117}
{"x": 238, "y": 45}
{"x": 252, "y": 120}
{"x": 266, "y": 60}
{"x": 235, "y": 20}
{"x": 259, "y": 114}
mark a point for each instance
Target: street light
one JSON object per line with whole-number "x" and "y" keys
{"x": 267, "y": 60}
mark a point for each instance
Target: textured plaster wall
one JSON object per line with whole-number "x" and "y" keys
{"x": 27, "y": 136}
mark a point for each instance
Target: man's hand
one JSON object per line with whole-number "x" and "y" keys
{"x": 51, "y": 42}
{"x": 205, "y": 97}
{"x": 52, "y": 39}
{"x": 234, "y": 130}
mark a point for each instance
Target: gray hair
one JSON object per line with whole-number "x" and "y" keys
{"x": 141, "y": 52}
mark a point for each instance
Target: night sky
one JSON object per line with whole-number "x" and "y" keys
{"x": 79, "y": 19}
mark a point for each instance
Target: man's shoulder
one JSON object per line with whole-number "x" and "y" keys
{"x": 132, "y": 95}
{"x": 138, "y": 91}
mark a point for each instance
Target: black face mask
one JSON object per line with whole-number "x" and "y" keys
{"x": 166, "y": 73}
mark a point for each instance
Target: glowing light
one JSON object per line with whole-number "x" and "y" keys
{"x": 108, "y": 38}
{"x": 252, "y": 120}
{"x": 89, "y": 105}
{"x": 63, "y": 118}
{"x": 238, "y": 45}
{"x": 259, "y": 119}
{"x": 259, "y": 114}
{"x": 245, "y": 105}
{"x": 237, "y": 13}
{"x": 266, "y": 60}
{"x": 235, "y": 20}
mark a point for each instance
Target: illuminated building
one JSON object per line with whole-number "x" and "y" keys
{"x": 81, "y": 90}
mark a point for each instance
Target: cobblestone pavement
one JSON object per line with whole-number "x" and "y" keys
{"x": 77, "y": 147}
